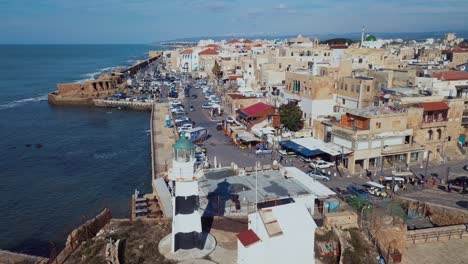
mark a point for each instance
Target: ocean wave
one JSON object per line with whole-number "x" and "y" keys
{"x": 94, "y": 75}
{"x": 23, "y": 101}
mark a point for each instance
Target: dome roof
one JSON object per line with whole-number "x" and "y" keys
{"x": 371, "y": 38}
{"x": 183, "y": 143}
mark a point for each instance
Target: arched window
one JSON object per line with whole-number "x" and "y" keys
{"x": 430, "y": 134}
{"x": 439, "y": 134}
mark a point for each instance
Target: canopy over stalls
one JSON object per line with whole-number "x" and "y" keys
{"x": 301, "y": 150}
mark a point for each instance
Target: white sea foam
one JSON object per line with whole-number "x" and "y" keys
{"x": 23, "y": 101}
{"x": 94, "y": 75}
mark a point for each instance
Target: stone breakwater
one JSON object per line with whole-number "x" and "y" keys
{"x": 106, "y": 85}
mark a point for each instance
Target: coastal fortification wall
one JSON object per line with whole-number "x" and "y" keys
{"x": 83, "y": 93}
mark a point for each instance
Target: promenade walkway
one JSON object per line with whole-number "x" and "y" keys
{"x": 162, "y": 139}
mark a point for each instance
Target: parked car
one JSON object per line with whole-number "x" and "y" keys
{"x": 321, "y": 164}
{"x": 180, "y": 112}
{"x": 460, "y": 181}
{"x": 318, "y": 175}
{"x": 263, "y": 151}
{"x": 194, "y": 96}
{"x": 358, "y": 191}
{"x": 343, "y": 194}
{"x": 377, "y": 192}
{"x": 207, "y": 106}
{"x": 192, "y": 108}
{"x": 230, "y": 120}
{"x": 181, "y": 119}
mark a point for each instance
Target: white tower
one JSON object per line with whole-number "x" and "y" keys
{"x": 362, "y": 37}
{"x": 186, "y": 220}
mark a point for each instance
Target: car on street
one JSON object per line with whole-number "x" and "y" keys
{"x": 194, "y": 96}
{"x": 263, "y": 151}
{"x": 460, "y": 181}
{"x": 181, "y": 119}
{"x": 180, "y": 112}
{"x": 192, "y": 108}
{"x": 321, "y": 164}
{"x": 207, "y": 106}
{"x": 230, "y": 120}
{"x": 316, "y": 174}
{"x": 343, "y": 194}
{"x": 358, "y": 191}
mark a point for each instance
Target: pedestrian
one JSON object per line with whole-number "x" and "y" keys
{"x": 281, "y": 160}
{"x": 404, "y": 186}
{"x": 448, "y": 187}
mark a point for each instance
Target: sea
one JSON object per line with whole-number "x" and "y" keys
{"x": 62, "y": 165}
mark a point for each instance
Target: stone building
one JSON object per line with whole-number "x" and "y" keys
{"x": 378, "y": 138}
{"x": 314, "y": 94}
{"x": 357, "y": 92}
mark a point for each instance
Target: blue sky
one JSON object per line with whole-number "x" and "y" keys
{"x": 144, "y": 21}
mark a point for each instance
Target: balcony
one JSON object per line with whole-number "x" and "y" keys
{"x": 434, "y": 122}
{"x": 399, "y": 149}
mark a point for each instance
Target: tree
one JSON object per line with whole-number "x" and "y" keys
{"x": 216, "y": 70}
{"x": 291, "y": 117}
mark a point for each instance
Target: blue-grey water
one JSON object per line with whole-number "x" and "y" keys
{"x": 58, "y": 164}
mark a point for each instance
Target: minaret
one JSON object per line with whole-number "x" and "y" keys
{"x": 186, "y": 220}
{"x": 362, "y": 36}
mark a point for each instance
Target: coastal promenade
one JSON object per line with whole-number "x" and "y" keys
{"x": 162, "y": 139}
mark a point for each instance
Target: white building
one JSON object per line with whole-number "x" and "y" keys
{"x": 278, "y": 235}
{"x": 188, "y": 60}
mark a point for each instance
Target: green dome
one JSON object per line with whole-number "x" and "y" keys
{"x": 183, "y": 143}
{"x": 371, "y": 38}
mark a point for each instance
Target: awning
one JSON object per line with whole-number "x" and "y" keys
{"x": 247, "y": 137}
{"x": 434, "y": 106}
{"x": 303, "y": 151}
{"x": 325, "y": 147}
{"x": 371, "y": 183}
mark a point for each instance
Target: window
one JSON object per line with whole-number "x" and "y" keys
{"x": 430, "y": 134}
{"x": 378, "y": 124}
{"x": 368, "y": 88}
{"x": 360, "y": 60}
{"x": 352, "y": 87}
{"x": 346, "y": 87}
{"x": 343, "y": 101}
{"x": 439, "y": 134}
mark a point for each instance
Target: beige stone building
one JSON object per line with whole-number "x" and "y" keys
{"x": 458, "y": 56}
{"x": 426, "y": 55}
{"x": 357, "y": 92}
{"x": 378, "y": 138}
{"x": 365, "y": 58}
{"x": 233, "y": 102}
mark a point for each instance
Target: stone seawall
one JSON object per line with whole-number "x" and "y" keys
{"x": 55, "y": 99}
{"x": 141, "y": 106}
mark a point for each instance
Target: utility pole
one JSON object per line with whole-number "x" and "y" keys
{"x": 427, "y": 163}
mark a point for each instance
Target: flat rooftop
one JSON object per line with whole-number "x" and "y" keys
{"x": 226, "y": 183}
{"x": 375, "y": 111}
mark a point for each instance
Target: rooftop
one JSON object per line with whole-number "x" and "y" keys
{"x": 451, "y": 76}
{"x": 256, "y": 109}
{"x": 248, "y": 237}
{"x": 225, "y": 183}
{"x": 208, "y": 52}
{"x": 187, "y": 51}
{"x": 240, "y": 96}
{"x": 375, "y": 111}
